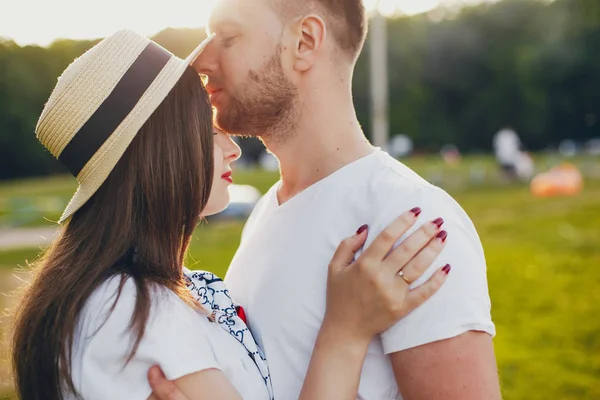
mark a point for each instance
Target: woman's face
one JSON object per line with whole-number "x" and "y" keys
{"x": 226, "y": 152}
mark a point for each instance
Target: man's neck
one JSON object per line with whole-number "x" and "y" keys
{"x": 326, "y": 139}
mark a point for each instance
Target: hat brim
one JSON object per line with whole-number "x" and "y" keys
{"x": 198, "y": 50}
{"x": 97, "y": 170}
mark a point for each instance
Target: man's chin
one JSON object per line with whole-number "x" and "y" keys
{"x": 227, "y": 125}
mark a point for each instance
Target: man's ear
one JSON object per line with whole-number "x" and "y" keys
{"x": 311, "y": 34}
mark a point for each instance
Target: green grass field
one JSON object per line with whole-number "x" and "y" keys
{"x": 543, "y": 269}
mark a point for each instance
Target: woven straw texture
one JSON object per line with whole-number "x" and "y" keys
{"x": 82, "y": 88}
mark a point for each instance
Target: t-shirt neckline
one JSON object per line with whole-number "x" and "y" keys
{"x": 274, "y": 202}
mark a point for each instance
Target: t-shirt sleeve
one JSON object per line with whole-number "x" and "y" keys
{"x": 176, "y": 338}
{"x": 463, "y": 303}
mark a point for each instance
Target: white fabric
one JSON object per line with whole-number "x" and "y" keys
{"x": 210, "y": 292}
{"x": 179, "y": 339}
{"x": 279, "y": 272}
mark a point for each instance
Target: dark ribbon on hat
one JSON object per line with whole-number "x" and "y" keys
{"x": 115, "y": 108}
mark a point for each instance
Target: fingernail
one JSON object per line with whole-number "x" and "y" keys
{"x": 416, "y": 211}
{"x": 442, "y": 235}
{"x": 362, "y": 229}
{"x": 447, "y": 268}
{"x": 438, "y": 221}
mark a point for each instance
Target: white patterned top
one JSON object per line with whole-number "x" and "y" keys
{"x": 210, "y": 291}
{"x": 178, "y": 338}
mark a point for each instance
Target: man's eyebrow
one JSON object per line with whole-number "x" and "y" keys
{"x": 215, "y": 24}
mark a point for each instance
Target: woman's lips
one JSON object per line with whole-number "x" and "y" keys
{"x": 227, "y": 176}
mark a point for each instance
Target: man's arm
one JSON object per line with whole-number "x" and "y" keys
{"x": 460, "y": 368}
{"x": 443, "y": 350}
{"x": 202, "y": 385}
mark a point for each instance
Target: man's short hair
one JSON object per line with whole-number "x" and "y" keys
{"x": 345, "y": 19}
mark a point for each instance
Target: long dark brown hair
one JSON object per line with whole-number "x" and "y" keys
{"x": 139, "y": 224}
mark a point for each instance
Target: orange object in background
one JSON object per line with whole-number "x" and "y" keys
{"x": 562, "y": 180}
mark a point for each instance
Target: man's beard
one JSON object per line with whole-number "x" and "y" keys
{"x": 266, "y": 106}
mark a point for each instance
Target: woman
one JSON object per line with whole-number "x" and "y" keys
{"x": 110, "y": 297}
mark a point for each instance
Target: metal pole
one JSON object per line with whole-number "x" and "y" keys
{"x": 379, "y": 80}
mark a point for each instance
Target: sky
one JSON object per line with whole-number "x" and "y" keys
{"x": 43, "y": 21}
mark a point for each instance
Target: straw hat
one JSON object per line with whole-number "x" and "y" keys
{"x": 101, "y": 101}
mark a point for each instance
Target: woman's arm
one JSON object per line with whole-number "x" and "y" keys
{"x": 335, "y": 366}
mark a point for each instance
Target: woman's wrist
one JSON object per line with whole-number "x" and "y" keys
{"x": 336, "y": 363}
{"x": 349, "y": 341}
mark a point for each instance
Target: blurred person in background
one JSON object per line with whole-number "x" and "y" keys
{"x": 507, "y": 149}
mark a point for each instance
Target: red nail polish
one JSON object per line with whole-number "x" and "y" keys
{"x": 442, "y": 235}
{"x": 438, "y": 221}
{"x": 416, "y": 211}
{"x": 447, "y": 268}
{"x": 362, "y": 229}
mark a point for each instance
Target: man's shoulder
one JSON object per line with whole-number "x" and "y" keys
{"x": 393, "y": 188}
{"x": 391, "y": 180}
{"x": 398, "y": 172}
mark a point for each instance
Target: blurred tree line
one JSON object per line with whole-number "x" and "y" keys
{"x": 455, "y": 77}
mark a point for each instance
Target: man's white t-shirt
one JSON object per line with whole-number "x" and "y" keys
{"x": 178, "y": 338}
{"x": 279, "y": 272}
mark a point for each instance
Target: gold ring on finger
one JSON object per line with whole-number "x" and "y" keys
{"x": 401, "y": 274}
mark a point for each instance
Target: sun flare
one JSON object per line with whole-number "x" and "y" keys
{"x": 405, "y": 7}
{"x": 50, "y": 19}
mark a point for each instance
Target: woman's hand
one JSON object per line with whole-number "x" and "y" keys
{"x": 367, "y": 296}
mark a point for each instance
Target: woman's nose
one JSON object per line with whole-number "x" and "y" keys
{"x": 233, "y": 151}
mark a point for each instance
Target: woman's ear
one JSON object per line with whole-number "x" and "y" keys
{"x": 311, "y": 34}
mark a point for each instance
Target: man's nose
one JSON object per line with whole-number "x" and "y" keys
{"x": 206, "y": 62}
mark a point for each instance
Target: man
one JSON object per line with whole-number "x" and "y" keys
{"x": 282, "y": 70}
